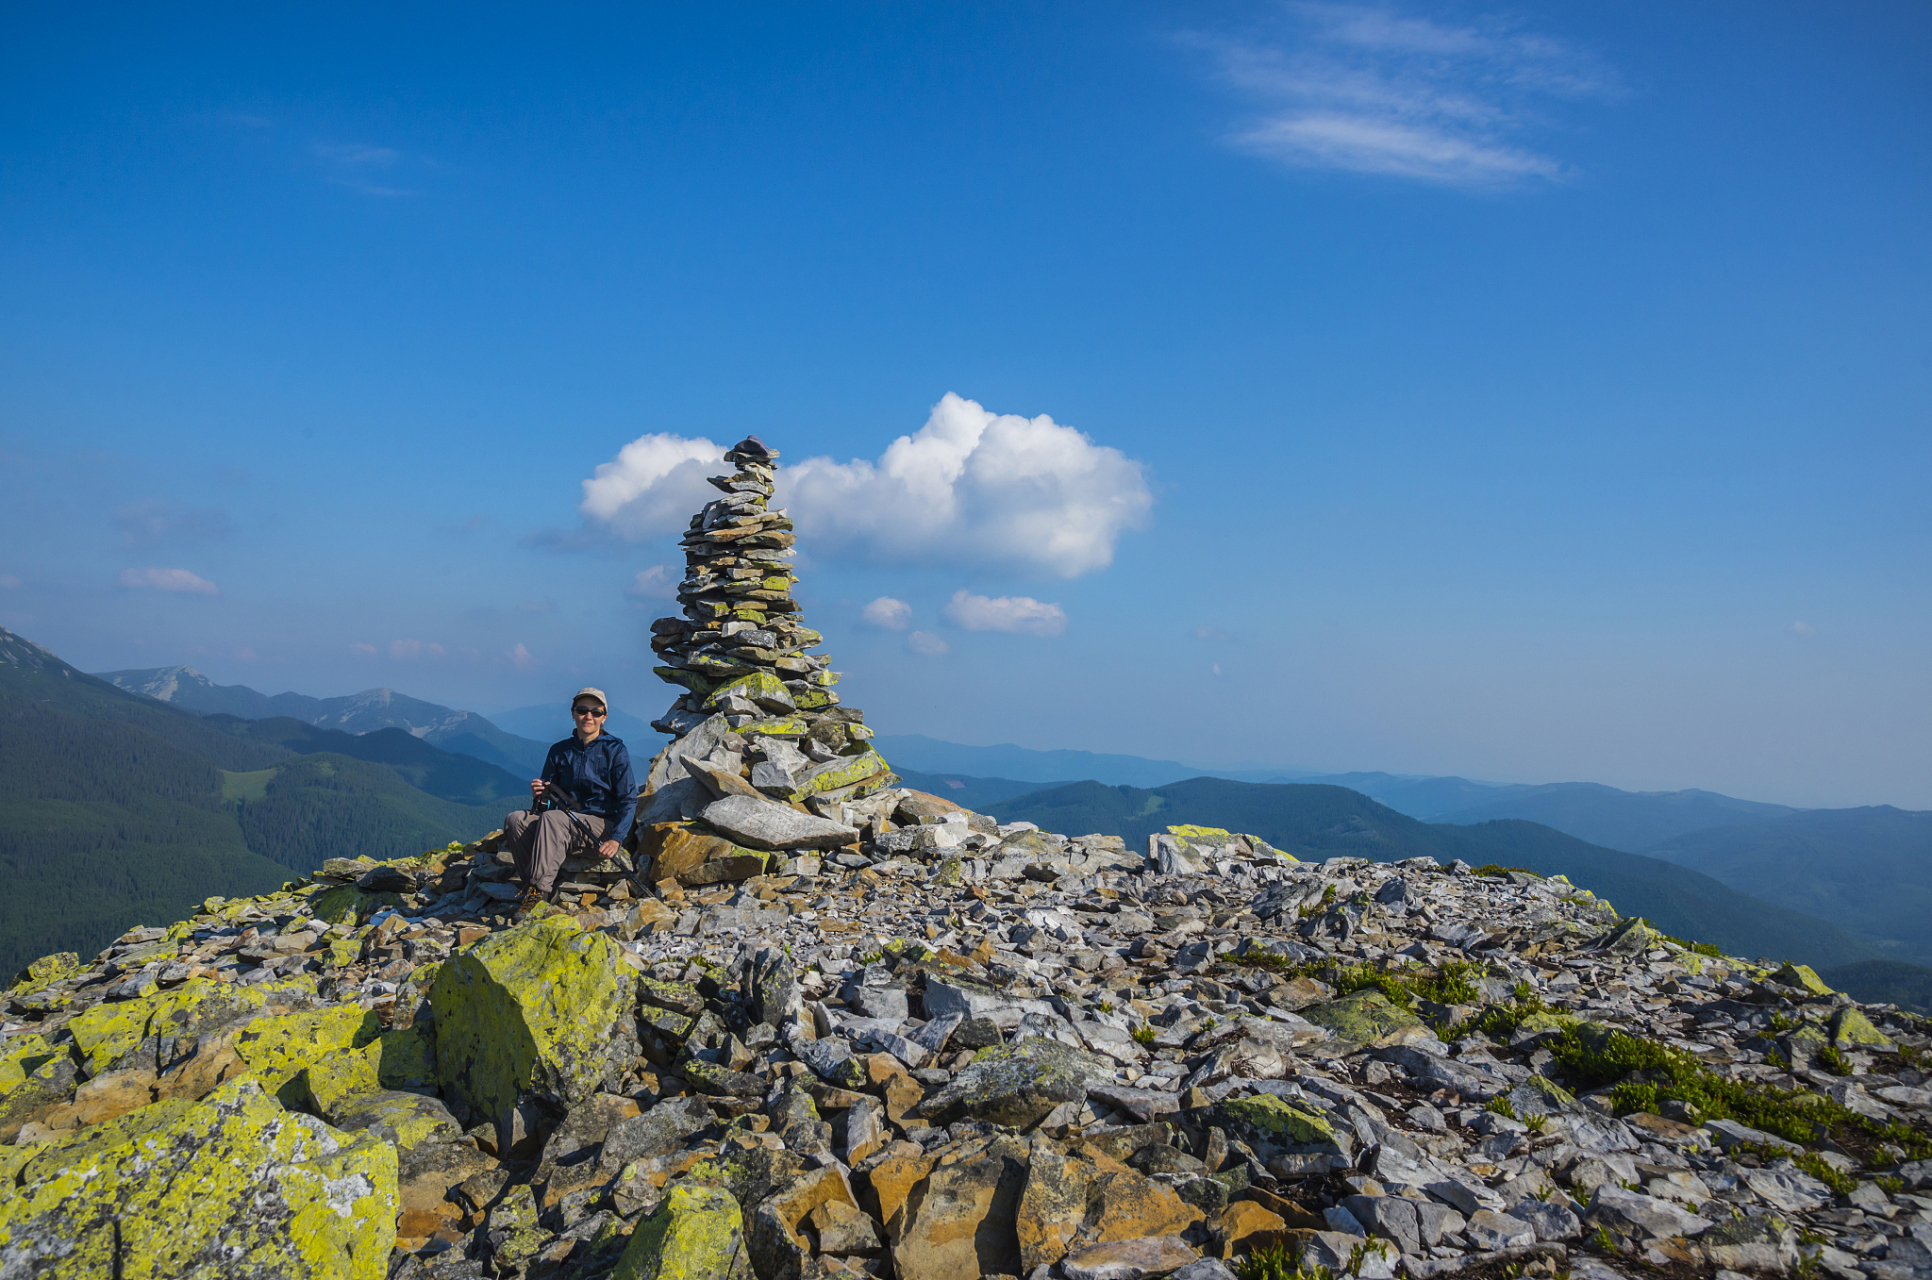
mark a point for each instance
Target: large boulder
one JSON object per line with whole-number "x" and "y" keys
{"x": 1017, "y": 1084}
{"x": 764, "y": 824}
{"x": 697, "y": 1233}
{"x": 536, "y": 1010}
{"x": 1366, "y": 1020}
{"x": 232, "y": 1185}
{"x": 959, "y": 1224}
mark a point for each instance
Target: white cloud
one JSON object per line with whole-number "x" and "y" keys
{"x": 1005, "y": 613}
{"x": 889, "y": 614}
{"x": 652, "y": 486}
{"x": 168, "y": 580}
{"x": 10, "y": 581}
{"x": 927, "y": 643}
{"x": 366, "y": 650}
{"x": 975, "y": 486}
{"x": 520, "y": 657}
{"x": 659, "y": 582}
{"x": 1803, "y": 628}
{"x": 1365, "y": 89}
{"x": 970, "y": 486}
{"x": 405, "y": 649}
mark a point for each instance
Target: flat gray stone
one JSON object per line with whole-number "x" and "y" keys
{"x": 760, "y": 824}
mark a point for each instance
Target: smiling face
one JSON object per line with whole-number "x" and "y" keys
{"x": 588, "y": 716}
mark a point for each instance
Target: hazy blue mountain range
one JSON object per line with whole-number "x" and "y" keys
{"x": 116, "y": 808}
{"x": 1868, "y": 871}
{"x": 964, "y": 789}
{"x": 1628, "y": 820}
{"x": 464, "y": 732}
{"x": 1022, "y": 764}
{"x": 550, "y": 722}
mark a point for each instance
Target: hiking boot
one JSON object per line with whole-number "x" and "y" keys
{"x": 527, "y": 900}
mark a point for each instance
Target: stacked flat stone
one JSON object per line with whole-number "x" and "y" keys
{"x": 741, "y": 650}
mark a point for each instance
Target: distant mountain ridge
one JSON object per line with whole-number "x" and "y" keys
{"x": 464, "y": 732}
{"x": 117, "y": 807}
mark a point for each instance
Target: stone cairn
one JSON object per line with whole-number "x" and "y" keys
{"x": 761, "y": 745}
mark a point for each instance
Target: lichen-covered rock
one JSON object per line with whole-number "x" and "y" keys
{"x": 532, "y": 1010}
{"x": 697, "y": 1233}
{"x": 278, "y": 1046}
{"x": 108, "y": 1035}
{"x": 232, "y": 1185}
{"x": 1851, "y": 1029}
{"x": 1803, "y": 977}
{"x": 1364, "y": 1020}
{"x": 1266, "y": 1118}
{"x": 1017, "y": 1084}
{"x": 21, "y": 1057}
{"x": 347, "y": 904}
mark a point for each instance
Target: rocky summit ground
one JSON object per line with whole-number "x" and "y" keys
{"x": 938, "y": 1049}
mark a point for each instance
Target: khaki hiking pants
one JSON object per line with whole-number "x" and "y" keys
{"x": 541, "y": 842}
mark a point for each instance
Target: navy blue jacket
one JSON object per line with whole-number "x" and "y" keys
{"x": 599, "y": 776}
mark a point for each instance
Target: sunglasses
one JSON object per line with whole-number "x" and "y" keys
{"x": 587, "y": 711}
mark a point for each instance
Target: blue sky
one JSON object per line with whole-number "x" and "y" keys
{"x": 1527, "y": 394}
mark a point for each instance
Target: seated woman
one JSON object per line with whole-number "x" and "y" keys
{"x": 594, "y": 770}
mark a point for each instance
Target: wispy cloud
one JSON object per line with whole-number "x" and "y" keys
{"x": 1368, "y": 89}
{"x": 406, "y": 649}
{"x": 521, "y": 658}
{"x": 927, "y": 643}
{"x": 169, "y": 580}
{"x": 1005, "y": 613}
{"x": 888, "y": 614}
{"x": 361, "y": 167}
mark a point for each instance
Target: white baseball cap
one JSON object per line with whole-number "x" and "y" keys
{"x": 598, "y": 694}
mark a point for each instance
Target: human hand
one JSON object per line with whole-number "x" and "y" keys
{"x": 536, "y": 788}
{"x": 608, "y": 849}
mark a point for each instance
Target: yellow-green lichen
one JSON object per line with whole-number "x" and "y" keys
{"x": 697, "y": 1233}
{"x": 1281, "y": 1119}
{"x": 528, "y": 1009}
{"x": 226, "y": 1186}
{"x": 20, "y": 1057}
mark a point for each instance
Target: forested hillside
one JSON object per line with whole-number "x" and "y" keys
{"x": 117, "y": 810}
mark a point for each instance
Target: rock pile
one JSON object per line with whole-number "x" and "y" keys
{"x": 740, "y": 650}
{"x": 954, "y": 1049}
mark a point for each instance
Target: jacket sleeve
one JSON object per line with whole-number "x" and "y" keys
{"x": 551, "y": 762}
{"x": 623, "y": 794}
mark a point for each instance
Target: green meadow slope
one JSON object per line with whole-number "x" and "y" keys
{"x": 117, "y": 810}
